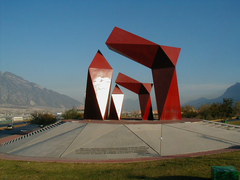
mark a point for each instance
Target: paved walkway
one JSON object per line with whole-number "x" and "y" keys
{"x": 123, "y": 141}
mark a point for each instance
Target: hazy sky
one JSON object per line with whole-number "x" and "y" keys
{"x": 53, "y": 42}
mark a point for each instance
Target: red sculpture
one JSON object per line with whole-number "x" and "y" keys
{"x": 142, "y": 89}
{"x": 116, "y": 104}
{"x": 98, "y": 88}
{"x": 161, "y": 59}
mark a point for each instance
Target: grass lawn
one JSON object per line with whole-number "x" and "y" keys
{"x": 198, "y": 168}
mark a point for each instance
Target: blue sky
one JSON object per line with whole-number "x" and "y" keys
{"x": 52, "y": 42}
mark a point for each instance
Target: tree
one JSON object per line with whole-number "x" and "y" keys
{"x": 215, "y": 110}
{"x": 72, "y": 114}
{"x": 204, "y": 112}
{"x": 226, "y": 108}
{"x": 236, "y": 108}
{"x": 189, "y": 111}
{"x": 222, "y": 110}
{"x": 43, "y": 118}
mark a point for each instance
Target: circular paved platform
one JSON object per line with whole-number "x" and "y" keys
{"x": 122, "y": 141}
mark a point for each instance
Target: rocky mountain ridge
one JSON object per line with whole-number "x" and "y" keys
{"x": 231, "y": 92}
{"x": 18, "y": 92}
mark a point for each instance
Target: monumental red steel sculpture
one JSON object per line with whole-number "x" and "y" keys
{"x": 161, "y": 59}
{"x": 116, "y": 104}
{"x": 142, "y": 89}
{"x": 98, "y": 88}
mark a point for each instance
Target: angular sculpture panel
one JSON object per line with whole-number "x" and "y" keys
{"x": 142, "y": 89}
{"x": 116, "y": 104}
{"x": 161, "y": 59}
{"x": 98, "y": 88}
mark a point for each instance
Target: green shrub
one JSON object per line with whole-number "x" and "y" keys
{"x": 43, "y": 118}
{"x": 189, "y": 111}
{"x": 72, "y": 114}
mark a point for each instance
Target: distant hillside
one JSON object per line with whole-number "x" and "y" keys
{"x": 16, "y": 91}
{"x": 232, "y": 92}
{"x": 131, "y": 105}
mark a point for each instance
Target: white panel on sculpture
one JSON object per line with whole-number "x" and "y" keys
{"x": 118, "y": 102}
{"x": 98, "y": 88}
{"x": 102, "y": 88}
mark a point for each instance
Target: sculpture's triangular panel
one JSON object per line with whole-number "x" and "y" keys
{"x": 138, "y": 53}
{"x": 100, "y": 62}
{"x": 113, "y": 111}
{"x": 126, "y": 79}
{"x": 102, "y": 83}
{"x": 129, "y": 83}
{"x": 148, "y": 87}
{"x": 161, "y": 59}
{"x": 163, "y": 78}
{"x": 116, "y": 104}
{"x": 118, "y": 101}
{"x": 91, "y": 103}
{"x": 117, "y": 90}
{"x": 146, "y": 106}
{"x": 172, "y": 53}
{"x": 131, "y": 86}
{"x": 143, "y": 93}
{"x": 120, "y": 36}
{"x": 98, "y": 88}
{"x": 172, "y": 103}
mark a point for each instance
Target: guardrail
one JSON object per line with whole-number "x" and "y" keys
{"x": 223, "y": 125}
{"x": 33, "y": 133}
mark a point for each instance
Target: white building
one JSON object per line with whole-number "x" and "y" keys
{"x": 17, "y": 118}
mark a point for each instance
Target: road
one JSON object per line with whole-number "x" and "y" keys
{"x": 19, "y": 130}
{"x": 14, "y": 123}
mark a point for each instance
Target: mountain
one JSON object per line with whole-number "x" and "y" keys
{"x": 232, "y": 92}
{"x": 16, "y": 91}
{"x": 134, "y": 105}
{"x": 131, "y": 105}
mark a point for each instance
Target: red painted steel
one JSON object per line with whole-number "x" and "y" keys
{"x": 161, "y": 59}
{"x": 116, "y": 104}
{"x": 142, "y": 89}
{"x": 98, "y": 88}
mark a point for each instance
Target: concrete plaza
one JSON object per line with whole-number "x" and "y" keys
{"x": 81, "y": 140}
